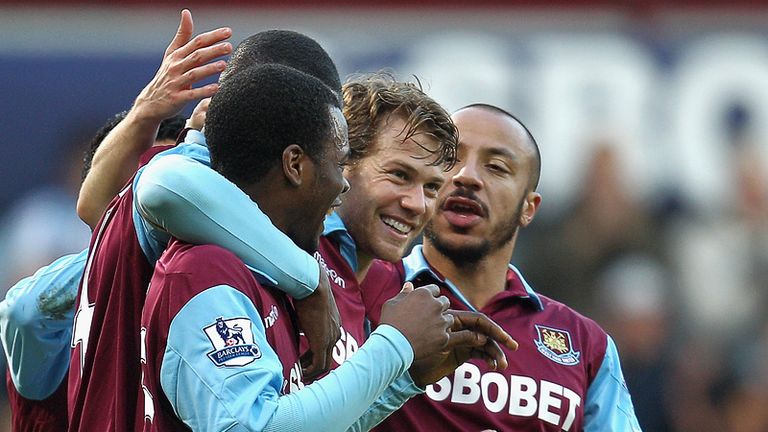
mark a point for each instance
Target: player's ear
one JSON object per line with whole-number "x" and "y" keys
{"x": 530, "y": 206}
{"x": 295, "y": 162}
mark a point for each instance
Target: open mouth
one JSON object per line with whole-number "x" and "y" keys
{"x": 462, "y": 213}
{"x": 465, "y": 206}
{"x": 398, "y": 226}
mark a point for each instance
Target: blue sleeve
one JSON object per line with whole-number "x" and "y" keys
{"x": 609, "y": 405}
{"x": 336, "y": 402}
{"x": 192, "y": 202}
{"x": 397, "y": 394}
{"x": 207, "y": 397}
{"x": 36, "y": 326}
{"x": 248, "y": 397}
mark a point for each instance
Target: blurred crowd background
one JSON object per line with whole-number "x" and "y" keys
{"x": 652, "y": 118}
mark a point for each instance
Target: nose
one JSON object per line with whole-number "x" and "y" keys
{"x": 467, "y": 176}
{"x": 414, "y": 200}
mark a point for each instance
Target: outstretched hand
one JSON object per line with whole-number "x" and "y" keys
{"x": 472, "y": 335}
{"x": 186, "y": 61}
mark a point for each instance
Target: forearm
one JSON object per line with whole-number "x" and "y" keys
{"x": 113, "y": 164}
{"x": 36, "y": 326}
{"x": 337, "y": 401}
{"x": 397, "y": 394}
{"x": 196, "y": 204}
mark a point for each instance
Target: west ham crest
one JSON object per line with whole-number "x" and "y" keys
{"x": 232, "y": 340}
{"x": 556, "y": 345}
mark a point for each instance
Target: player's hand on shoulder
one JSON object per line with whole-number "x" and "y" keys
{"x": 419, "y": 315}
{"x": 472, "y": 335}
{"x": 319, "y": 320}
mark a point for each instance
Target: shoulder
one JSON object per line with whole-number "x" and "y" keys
{"x": 186, "y": 271}
{"x": 568, "y": 314}
{"x": 201, "y": 261}
{"x": 382, "y": 282}
{"x": 152, "y": 152}
{"x": 383, "y": 273}
{"x": 587, "y": 333}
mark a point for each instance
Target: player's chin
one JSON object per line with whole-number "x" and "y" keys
{"x": 389, "y": 251}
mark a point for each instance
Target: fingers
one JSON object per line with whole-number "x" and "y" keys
{"x": 465, "y": 338}
{"x": 201, "y": 57}
{"x": 445, "y": 304}
{"x": 480, "y": 323}
{"x": 183, "y": 33}
{"x": 434, "y": 291}
{"x": 199, "y": 93}
{"x": 203, "y": 40}
{"x": 493, "y": 351}
{"x": 317, "y": 366}
{"x": 407, "y": 287}
{"x": 199, "y": 73}
{"x": 197, "y": 119}
{"x": 490, "y": 352}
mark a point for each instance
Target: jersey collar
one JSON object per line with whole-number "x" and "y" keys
{"x": 335, "y": 229}
{"x": 517, "y": 287}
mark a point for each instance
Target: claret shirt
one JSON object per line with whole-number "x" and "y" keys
{"x": 211, "y": 332}
{"x": 337, "y": 256}
{"x": 565, "y": 376}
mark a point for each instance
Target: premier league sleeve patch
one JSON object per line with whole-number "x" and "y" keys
{"x": 556, "y": 345}
{"x": 232, "y": 341}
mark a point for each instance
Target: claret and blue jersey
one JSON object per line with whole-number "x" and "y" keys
{"x": 565, "y": 375}
{"x": 337, "y": 255}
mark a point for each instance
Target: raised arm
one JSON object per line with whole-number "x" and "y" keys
{"x": 186, "y": 61}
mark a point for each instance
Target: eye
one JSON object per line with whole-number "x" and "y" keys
{"x": 497, "y": 168}
{"x": 432, "y": 189}
{"x": 399, "y": 174}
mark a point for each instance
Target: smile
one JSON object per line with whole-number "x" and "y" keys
{"x": 398, "y": 226}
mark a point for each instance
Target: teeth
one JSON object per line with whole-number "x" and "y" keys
{"x": 398, "y": 226}
{"x": 462, "y": 208}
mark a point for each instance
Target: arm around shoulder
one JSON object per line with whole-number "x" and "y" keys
{"x": 186, "y": 198}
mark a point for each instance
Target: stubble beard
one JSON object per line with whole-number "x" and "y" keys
{"x": 468, "y": 255}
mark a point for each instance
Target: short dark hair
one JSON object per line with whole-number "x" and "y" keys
{"x": 287, "y": 48}
{"x": 370, "y": 98}
{"x": 95, "y": 142}
{"x": 260, "y": 111}
{"x": 536, "y": 173}
{"x": 169, "y": 130}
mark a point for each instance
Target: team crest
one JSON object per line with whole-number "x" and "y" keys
{"x": 556, "y": 345}
{"x": 232, "y": 341}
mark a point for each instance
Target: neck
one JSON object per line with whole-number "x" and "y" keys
{"x": 364, "y": 262}
{"x": 281, "y": 213}
{"x": 479, "y": 281}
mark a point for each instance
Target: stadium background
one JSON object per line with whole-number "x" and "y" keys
{"x": 652, "y": 120}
